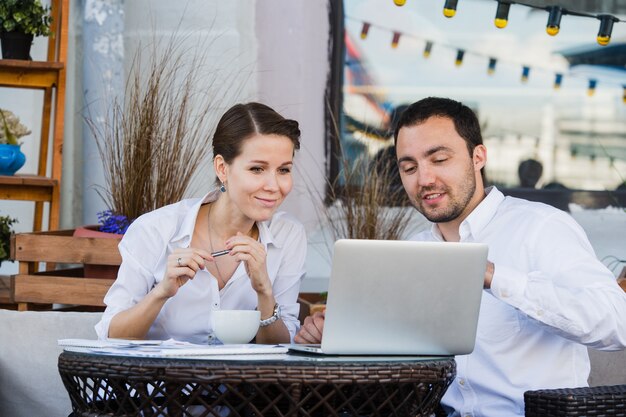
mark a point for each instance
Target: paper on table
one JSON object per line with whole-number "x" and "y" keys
{"x": 167, "y": 348}
{"x": 90, "y": 343}
{"x": 194, "y": 350}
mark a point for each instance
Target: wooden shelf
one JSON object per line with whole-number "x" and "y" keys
{"x": 29, "y": 74}
{"x": 49, "y": 76}
{"x": 27, "y": 187}
{"x": 6, "y": 293}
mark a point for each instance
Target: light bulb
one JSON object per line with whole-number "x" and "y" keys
{"x": 449, "y": 8}
{"x": 492, "y": 66}
{"x": 606, "y": 27}
{"x": 365, "y": 30}
{"x": 502, "y": 15}
{"x": 427, "y": 49}
{"x": 554, "y": 20}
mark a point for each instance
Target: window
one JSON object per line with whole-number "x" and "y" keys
{"x": 537, "y": 96}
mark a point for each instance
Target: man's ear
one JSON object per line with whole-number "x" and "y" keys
{"x": 221, "y": 168}
{"x": 480, "y": 157}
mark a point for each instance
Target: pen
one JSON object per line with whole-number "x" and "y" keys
{"x": 220, "y": 252}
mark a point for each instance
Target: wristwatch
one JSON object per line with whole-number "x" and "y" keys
{"x": 272, "y": 318}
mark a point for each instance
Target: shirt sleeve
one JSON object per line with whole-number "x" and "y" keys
{"x": 286, "y": 285}
{"x": 133, "y": 282}
{"x": 567, "y": 289}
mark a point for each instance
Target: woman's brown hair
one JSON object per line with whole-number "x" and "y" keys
{"x": 245, "y": 120}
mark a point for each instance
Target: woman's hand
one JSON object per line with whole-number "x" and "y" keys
{"x": 182, "y": 265}
{"x": 252, "y": 253}
{"x": 312, "y": 329}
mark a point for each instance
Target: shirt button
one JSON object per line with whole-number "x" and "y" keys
{"x": 504, "y": 293}
{"x": 539, "y": 313}
{"x": 461, "y": 381}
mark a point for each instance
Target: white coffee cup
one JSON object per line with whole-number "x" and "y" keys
{"x": 235, "y": 326}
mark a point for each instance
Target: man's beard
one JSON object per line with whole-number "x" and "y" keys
{"x": 457, "y": 204}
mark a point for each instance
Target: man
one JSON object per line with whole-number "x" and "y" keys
{"x": 529, "y": 172}
{"x": 546, "y": 295}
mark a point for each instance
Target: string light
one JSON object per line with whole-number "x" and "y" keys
{"x": 558, "y": 80}
{"x": 525, "y": 73}
{"x": 365, "y": 30}
{"x": 502, "y": 14}
{"x": 449, "y": 8}
{"x": 459, "y": 57}
{"x": 395, "y": 40}
{"x": 492, "y": 66}
{"x": 606, "y": 27}
{"x": 427, "y": 49}
{"x": 591, "y": 89}
{"x": 554, "y": 20}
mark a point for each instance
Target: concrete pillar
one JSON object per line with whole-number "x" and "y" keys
{"x": 103, "y": 79}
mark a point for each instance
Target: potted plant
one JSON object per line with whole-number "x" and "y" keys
{"x": 20, "y": 21}
{"x": 150, "y": 136}
{"x": 6, "y": 224}
{"x": 154, "y": 136}
{"x": 11, "y": 157}
{"x": 368, "y": 204}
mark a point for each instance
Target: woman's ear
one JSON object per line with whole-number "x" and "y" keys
{"x": 221, "y": 168}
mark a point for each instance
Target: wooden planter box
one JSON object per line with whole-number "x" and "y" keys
{"x": 67, "y": 285}
{"x": 310, "y": 303}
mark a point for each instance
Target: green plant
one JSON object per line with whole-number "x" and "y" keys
{"x": 5, "y": 236}
{"x": 10, "y": 128}
{"x": 26, "y": 16}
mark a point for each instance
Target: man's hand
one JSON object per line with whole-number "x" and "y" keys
{"x": 489, "y": 274}
{"x": 312, "y": 329}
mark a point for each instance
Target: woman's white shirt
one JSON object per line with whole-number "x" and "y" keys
{"x": 187, "y": 316}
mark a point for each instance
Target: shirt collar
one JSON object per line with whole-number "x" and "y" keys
{"x": 265, "y": 234}
{"x": 185, "y": 231}
{"x": 479, "y": 218}
{"x": 188, "y": 222}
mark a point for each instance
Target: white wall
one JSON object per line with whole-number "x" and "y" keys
{"x": 292, "y": 67}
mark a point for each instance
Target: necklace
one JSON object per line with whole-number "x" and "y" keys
{"x": 219, "y": 274}
{"x": 253, "y": 233}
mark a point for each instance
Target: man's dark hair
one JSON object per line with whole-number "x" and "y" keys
{"x": 464, "y": 119}
{"x": 529, "y": 172}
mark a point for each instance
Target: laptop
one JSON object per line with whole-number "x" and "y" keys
{"x": 388, "y": 297}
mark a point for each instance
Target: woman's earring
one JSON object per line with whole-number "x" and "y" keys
{"x": 222, "y": 188}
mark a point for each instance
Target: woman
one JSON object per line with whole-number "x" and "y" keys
{"x": 169, "y": 282}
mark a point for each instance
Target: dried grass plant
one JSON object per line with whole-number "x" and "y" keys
{"x": 154, "y": 137}
{"x": 366, "y": 200}
{"x": 368, "y": 204}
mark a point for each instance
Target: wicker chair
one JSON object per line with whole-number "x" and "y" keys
{"x": 606, "y": 397}
{"x": 601, "y": 401}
